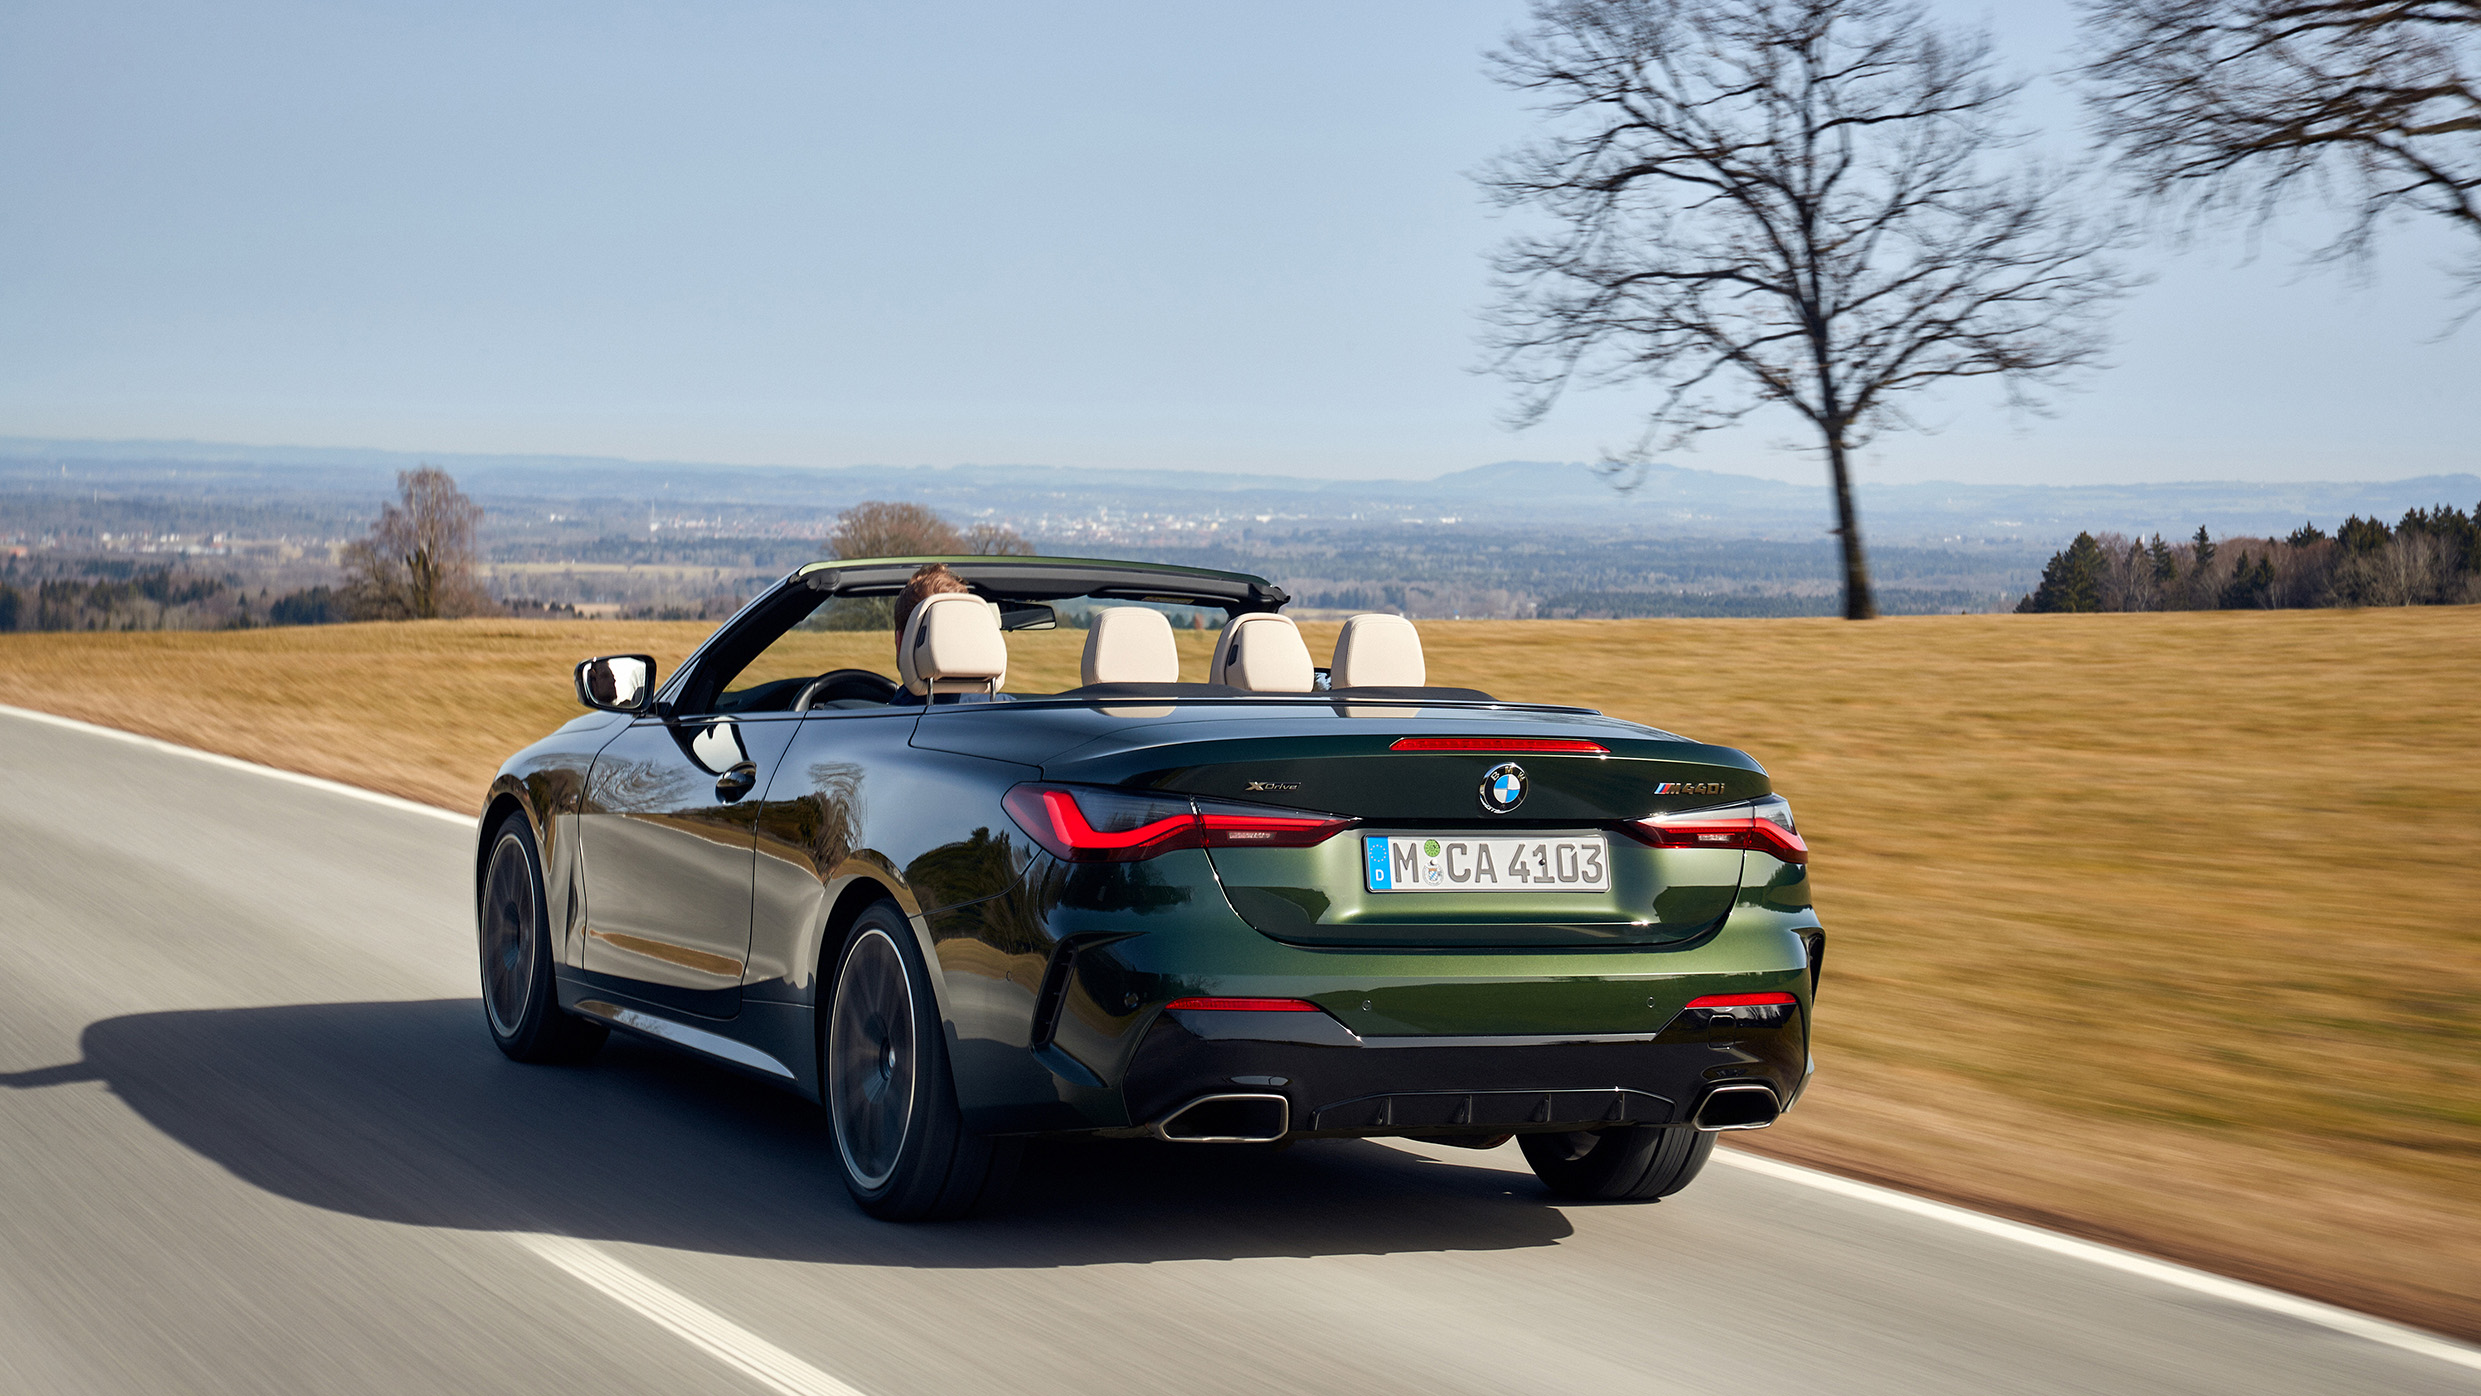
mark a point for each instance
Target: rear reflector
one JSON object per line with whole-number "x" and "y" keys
{"x": 1712, "y": 1011}
{"x": 1491, "y": 746}
{"x": 1218, "y": 1005}
{"x": 1740, "y": 1000}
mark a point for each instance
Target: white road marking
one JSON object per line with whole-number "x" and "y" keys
{"x": 2341, "y": 1320}
{"x": 741, "y": 1348}
{"x": 686, "y": 1318}
{"x": 235, "y": 763}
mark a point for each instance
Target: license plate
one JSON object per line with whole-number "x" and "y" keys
{"x": 1466, "y": 863}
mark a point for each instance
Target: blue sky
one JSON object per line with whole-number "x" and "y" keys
{"x": 1192, "y": 237}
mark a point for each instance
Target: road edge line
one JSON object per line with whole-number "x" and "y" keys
{"x": 235, "y": 763}
{"x": 2329, "y": 1316}
{"x": 685, "y": 1318}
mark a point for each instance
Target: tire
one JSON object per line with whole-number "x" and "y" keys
{"x": 1636, "y": 1163}
{"x": 900, "y": 1140}
{"x": 512, "y": 923}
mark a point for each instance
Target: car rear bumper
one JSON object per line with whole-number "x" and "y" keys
{"x": 1335, "y": 1083}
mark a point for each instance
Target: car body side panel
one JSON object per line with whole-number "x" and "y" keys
{"x": 859, "y": 812}
{"x": 993, "y": 955}
{"x": 815, "y": 840}
{"x": 547, "y": 781}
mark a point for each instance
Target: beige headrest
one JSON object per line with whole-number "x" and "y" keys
{"x": 952, "y": 645}
{"x": 1378, "y": 651}
{"x": 1130, "y": 644}
{"x": 1263, "y": 653}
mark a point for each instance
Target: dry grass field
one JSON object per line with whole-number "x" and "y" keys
{"x": 2160, "y": 929}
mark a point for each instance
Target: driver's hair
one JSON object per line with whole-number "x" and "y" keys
{"x": 933, "y": 579}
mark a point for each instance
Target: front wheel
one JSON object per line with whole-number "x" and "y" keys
{"x": 891, "y": 1099}
{"x": 1634, "y": 1163}
{"x": 511, "y": 923}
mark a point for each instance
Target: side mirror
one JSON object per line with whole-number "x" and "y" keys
{"x": 617, "y": 683}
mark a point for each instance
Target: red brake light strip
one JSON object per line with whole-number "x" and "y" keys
{"x": 1489, "y": 746}
{"x": 1228, "y": 1005}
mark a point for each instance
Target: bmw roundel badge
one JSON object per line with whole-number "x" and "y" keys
{"x": 1504, "y": 788}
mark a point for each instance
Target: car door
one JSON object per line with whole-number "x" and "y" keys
{"x": 668, "y": 828}
{"x": 669, "y": 819}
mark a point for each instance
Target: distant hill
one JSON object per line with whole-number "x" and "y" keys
{"x": 1661, "y": 500}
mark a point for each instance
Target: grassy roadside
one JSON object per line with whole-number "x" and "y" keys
{"x": 2155, "y": 928}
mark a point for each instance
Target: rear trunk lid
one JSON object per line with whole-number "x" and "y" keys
{"x": 1436, "y": 807}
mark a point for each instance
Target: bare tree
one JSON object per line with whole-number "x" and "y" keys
{"x": 2242, "y": 103}
{"x": 1782, "y": 202}
{"x": 882, "y": 528}
{"x": 417, "y": 562}
{"x": 996, "y": 540}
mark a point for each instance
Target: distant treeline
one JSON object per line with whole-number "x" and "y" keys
{"x": 2432, "y": 557}
{"x": 165, "y": 598}
{"x": 157, "y": 598}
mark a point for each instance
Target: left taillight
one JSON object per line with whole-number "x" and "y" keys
{"x": 1760, "y": 826}
{"x": 1095, "y": 824}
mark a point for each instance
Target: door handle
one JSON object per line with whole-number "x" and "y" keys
{"x": 737, "y": 782}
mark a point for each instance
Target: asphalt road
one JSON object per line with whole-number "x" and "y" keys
{"x": 253, "y": 1138}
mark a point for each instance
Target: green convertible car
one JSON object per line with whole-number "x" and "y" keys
{"x": 1292, "y": 902}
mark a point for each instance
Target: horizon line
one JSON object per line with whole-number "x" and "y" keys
{"x": 10, "y": 443}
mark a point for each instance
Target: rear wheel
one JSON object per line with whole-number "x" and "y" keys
{"x": 512, "y": 922}
{"x": 891, "y": 1098}
{"x": 1636, "y": 1163}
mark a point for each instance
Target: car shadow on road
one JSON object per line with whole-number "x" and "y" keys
{"x": 404, "y": 1112}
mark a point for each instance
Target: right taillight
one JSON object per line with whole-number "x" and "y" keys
{"x": 1096, "y": 824}
{"x": 1760, "y": 826}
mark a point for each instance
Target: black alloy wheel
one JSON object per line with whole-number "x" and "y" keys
{"x": 872, "y": 1059}
{"x": 891, "y": 1101}
{"x": 518, "y": 1001}
{"x": 1633, "y": 1163}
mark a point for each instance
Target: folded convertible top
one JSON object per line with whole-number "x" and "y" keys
{"x": 1056, "y": 578}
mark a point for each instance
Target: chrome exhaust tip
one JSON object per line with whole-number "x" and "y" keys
{"x": 1228, "y": 1119}
{"x": 1743, "y": 1105}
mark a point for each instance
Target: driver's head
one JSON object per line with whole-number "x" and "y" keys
{"x": 932, "y": 580}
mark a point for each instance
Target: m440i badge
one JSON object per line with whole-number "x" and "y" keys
{"x": 1504, "y": 788}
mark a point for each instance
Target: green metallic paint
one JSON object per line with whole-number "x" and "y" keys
{"x": 1050, "y": 976}
{"x": 1118, "y": 986}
